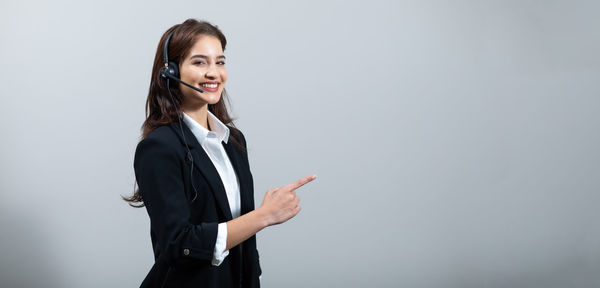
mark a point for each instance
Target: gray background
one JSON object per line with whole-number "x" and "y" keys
{"x": 456, "y": 142}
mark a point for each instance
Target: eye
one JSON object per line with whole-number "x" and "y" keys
{"x": 198, "y": 63}
{"x": 221, "y": 62}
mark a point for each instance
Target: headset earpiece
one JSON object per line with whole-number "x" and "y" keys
{"x": 172, "y": 69}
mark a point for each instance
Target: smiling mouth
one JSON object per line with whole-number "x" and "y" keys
{"x": 210, "y": 85}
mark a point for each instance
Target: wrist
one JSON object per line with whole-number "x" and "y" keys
{"x": 263, "y": 218}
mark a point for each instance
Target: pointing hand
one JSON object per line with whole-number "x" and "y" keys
{"x": 281, "y": 204}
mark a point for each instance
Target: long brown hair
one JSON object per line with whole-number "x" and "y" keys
{"x": 160, "y": 109}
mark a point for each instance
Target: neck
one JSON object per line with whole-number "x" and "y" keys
{"x": 199, "y": 114}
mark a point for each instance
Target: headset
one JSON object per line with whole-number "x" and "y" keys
{"x": 171, "y": 69}
{"x": 171, "y": 72}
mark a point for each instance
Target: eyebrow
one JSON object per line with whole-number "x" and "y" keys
{"x": 206, "y": 57}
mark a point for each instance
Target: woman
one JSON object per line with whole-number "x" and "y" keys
{"x": 193, "y": 173}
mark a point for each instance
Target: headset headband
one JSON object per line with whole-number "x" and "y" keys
{"x": 166, "y": 48}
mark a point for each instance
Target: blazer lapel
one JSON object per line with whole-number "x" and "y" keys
{"x": 204, "y": 164}
{"x": 241, "y": 171}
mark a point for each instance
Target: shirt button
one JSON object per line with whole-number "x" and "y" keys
{"x": 186, "y": 252}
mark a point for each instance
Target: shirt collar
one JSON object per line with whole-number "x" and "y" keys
{"x": 219, "y": 130}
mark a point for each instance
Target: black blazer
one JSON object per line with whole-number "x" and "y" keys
{"x": 183, "y": 224}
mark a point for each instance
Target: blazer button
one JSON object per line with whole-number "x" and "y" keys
{"x": 186, "y": 252}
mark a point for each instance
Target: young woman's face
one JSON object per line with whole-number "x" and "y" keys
{"x": 203, "y": 67}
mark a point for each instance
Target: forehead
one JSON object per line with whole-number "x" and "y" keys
{"x": 206, "y": 45}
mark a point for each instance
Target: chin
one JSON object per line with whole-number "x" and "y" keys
{"x": 213, "y": 100}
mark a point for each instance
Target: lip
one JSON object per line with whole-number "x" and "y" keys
{"x": 210, "y": 89}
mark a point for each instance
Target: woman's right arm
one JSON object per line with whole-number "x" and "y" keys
{"x": 278, "y": 206}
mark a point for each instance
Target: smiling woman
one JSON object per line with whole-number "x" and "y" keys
{"x": 192, "y": 170}
{"x": 190, "y": 49}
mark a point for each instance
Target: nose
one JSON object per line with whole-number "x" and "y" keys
{"x": 211, "y": 73}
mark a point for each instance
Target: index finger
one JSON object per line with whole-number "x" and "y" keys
{"x": 300, "y": 182}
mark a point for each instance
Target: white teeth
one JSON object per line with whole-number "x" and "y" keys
{"x": 209, "y": 85}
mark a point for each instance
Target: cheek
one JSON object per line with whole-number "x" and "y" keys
{"x": 184, "y": 74}
{"x": 224, "y": 76}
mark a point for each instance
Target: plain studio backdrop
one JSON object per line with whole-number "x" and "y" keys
{"x": 456, "y": 142}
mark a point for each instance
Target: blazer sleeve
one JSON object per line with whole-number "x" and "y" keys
{"x": 158, "y": 170}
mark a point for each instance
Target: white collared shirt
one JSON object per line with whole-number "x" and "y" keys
{"x": 211, "y": 143}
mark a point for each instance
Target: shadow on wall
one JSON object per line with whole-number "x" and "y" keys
{"x": 24, "y": 261}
